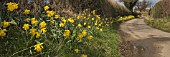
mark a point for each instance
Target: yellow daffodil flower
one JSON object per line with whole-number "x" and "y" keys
{"x": 71, "y": 20}
{"x": 38, "y": 47}
{"x": 85, "y": 23}
{"x": 26, "y": 11}
{"x": 84, "y": 32}
{"x": 32, "y": 31}
{"x": 89, "y": 27}
{"x": 38, "y": 35}
{"x": 46, "y": 8}
{"x": 26, "y": 26}
{"x": 78, "y": 17}
{"x": 63, "y": 20}
{"x": 42, "y": 24}
{"x": 12, "y": 6}
{"x": 97, "y": 28}
{"x": 43, "y": 30}
{"x": 80, "y": 35}
{"x": 5, "y": 24}
{"x": 50, "y": 13}
{"x": 101, "y": 29}
{"x": 79, "y": 25}
{"x": 76, "y": 50}
{"x": 89, "y": 37}
{"x": 67, "y": 33}
{"x": 61, "y": 24}
{"x": 83, "y": 55}
{"x": 3, "y": 32}
{"x": 57, "y": 16}
{"x": 92, "y": 18}
{"x": 34, "y": 21}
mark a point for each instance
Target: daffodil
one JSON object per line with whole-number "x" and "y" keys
{"x": 71, "y": 20}
{"x": 94, "y": 12}
{"x": 97, "y": 28}
{"x": 57, "y": 16}
{"x": 63, "y": 20}
{"x": 61, "y": 24}
{"x": 34, "y": 21}
{"x": 32, "y": 31}
{"x": 26, "y": 26}
{"x": 85, "y": 23}
{"x": 76, "y": 50}
{"x": 38, "y": 35}
{"x": 43, "y": 30}
{"x": 89, "y": 27}
{"x": 26, "y": 11}
{"x": 100, "y": 24}
{"x": 79, "y": 25}
{"x": 67, "y": 33}
{"x": 101, "y": 29}
{"x": 42, "y": 24}
{"x": 83, "y": 55}
{"x": 46, "y": 8}
{"x": 89, "y": 37}
{"x": 80, "y": 36}
{"x": 5, "y": 24}
{"x": 78, "y": 17}
{"x": 92, "y": 18}
{"x": 50, "y": 13}
{"x": 51, "y": 21}
{"x": 95, "y": 24}
{"x": 84, "y": 32}
{"x": 38, "y": 47}
{"x": 3, "y": 32}
{"x": 12, "y": 6}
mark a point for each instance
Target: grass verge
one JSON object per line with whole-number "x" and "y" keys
{"x": 105, "y": 44}
{"x": 162, "y": 24}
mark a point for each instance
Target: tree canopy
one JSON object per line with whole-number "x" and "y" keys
{"x": 129, "y": 3}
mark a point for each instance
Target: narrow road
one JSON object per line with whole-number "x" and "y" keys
{"x": 145, "y": 40}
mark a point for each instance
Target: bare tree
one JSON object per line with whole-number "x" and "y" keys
{"x": 129, "y": 3}
{"x": 142, "y": 5}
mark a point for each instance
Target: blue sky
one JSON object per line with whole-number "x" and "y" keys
{"x": 153, "y": 1}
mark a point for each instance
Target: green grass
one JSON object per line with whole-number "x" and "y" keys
{"x": 105, "y": 44}
{"x": 162, "y": 24}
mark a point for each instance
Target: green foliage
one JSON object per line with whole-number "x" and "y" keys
{"x": 163, "y": 24}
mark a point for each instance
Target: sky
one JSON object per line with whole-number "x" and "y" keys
{"x": 153, "y": 2}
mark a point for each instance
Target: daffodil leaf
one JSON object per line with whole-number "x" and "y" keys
{"x": 30, "y": 52}
{"x": 13, "y": 22}
{"x": 37, "y": 41}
